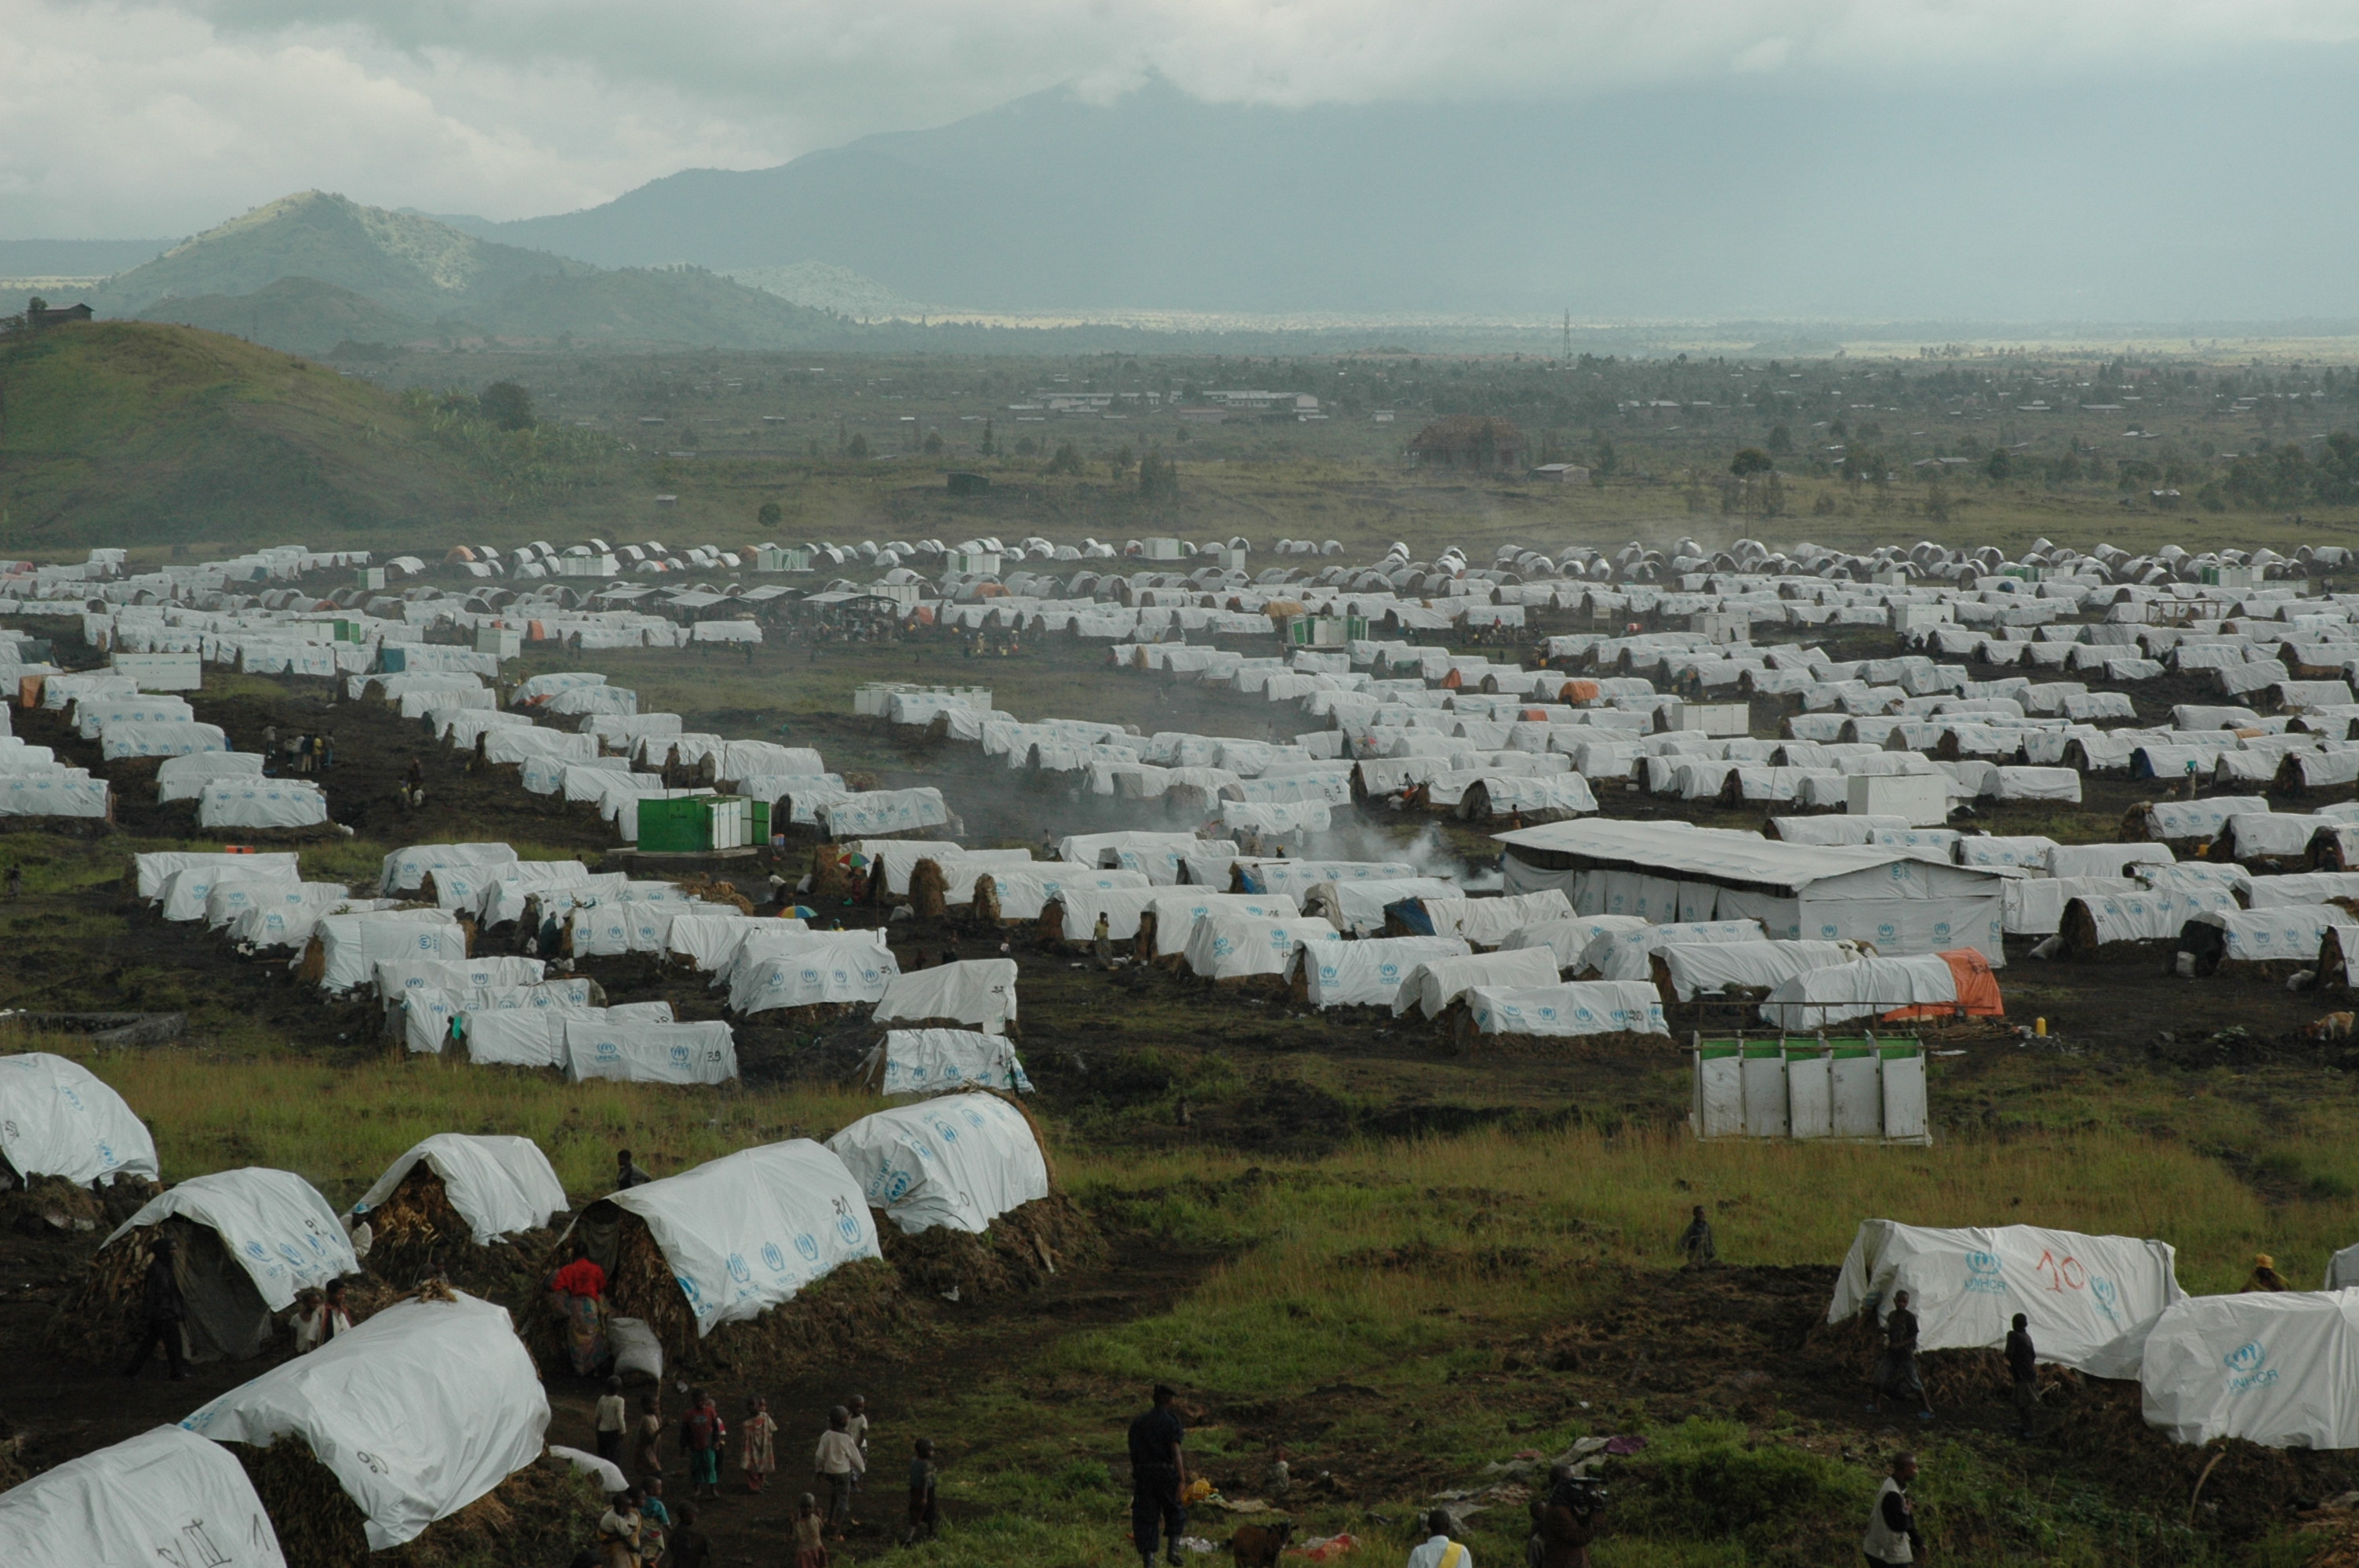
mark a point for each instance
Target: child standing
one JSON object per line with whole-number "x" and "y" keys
{"x": 924, "y": 1513}
{"x": 647, "y": 1445}
{"x": 612, "y": 1415}
{"x": 754, "y": 1454}
{"x": 837, "y": 1463}
{"x": 702, "y": 1433}
{"x": 810, "y": 1545}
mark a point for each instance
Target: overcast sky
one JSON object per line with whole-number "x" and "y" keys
{"x": 156, "y": 121}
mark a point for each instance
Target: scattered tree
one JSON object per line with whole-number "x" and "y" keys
{"x": 857, "y": 450}
{"x": 1748, "y": 461}
{"x": 1781, "y": 441}
{"x": 770, "y": 515}
{"x": 1999, "y": 466}
{"x": 933, "y": 443}
{"x": 1159, "y": 476}
{"x": 1067, "y": 458}
{"x": 507, "y": 405}
{"x": 1025, "y": 446}
{"x": 1120, "y": 465}
{"x": 988, "y": 449}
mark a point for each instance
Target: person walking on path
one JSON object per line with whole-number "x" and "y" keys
{"x": 1896, "y": 1370}
{"x": 687, "y": 1546}
{"x": 925, "y": 1480}
{"x": 1438, "y": 1551}
{"x": 757, "y": 1450}
{"x": 1158, "y": 1476}
{"x": 1564, "y": 1521}
{"x": 614, "y": 1418}
{"x": 1892, "y": 1538}
{"x": 646, "y": 1439}
{"x": 164, "y": 1309}
{"x": 1695, "y": 1242}
{"x": 1101, "y": 940}
{"x": 837, "y": 1463}
{"x": 2023, "y": 1363}
{"x": 15, "y": 883}
{"x": 619, "y": 1530}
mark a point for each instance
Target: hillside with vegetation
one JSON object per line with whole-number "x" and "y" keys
{"x": 128, "y": 433}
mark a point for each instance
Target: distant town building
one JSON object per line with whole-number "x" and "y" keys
{"x": 1468, "y": 441}
{"x": 1563, "y": 473}
{"x": 56, "y": 317}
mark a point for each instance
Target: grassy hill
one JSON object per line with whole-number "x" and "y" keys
{"x": 134, "y": 433}
{"x": 300, "y": 315}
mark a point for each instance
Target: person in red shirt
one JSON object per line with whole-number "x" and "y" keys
{"x": 579, "y": 1294}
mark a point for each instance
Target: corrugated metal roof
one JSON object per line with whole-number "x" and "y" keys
{"x": 1717, "y": 854}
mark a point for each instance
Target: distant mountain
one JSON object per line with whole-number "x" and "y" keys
{"x": 1749, "y": 196}
{"x": 313, "y": 270}
{"x": 836, "y": 288}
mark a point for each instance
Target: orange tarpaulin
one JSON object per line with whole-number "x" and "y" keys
{"x": 1977, "y": 991}
{"x": 1578, "y": 691}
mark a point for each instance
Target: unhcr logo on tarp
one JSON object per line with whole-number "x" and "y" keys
{"x": 1984, "y": 1274}
{"x": 2248, "y": 1367}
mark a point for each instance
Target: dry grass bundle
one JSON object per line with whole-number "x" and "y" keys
{"x": 314, "y": 967}
{"x": 715, "y": 890}
{"x": 417, "y": 1226}
{"x": 929, "y": 891}
{"x": 1021, "y": 1251}
{"x": 544, "y": 1512}
{"x": 100, "y": 1317}
{"x": 831, "y": 874}
{"x": 56, "y": 1200}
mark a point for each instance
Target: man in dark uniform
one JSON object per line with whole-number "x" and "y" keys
{"x": 163, "y": 1310}
{"x": 1157, "y": 1471}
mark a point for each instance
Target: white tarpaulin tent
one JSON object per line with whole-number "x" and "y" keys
{"x": 959, "y": 1162}
{"x": 1176, "y": 910}
{"x": 1158, "y": 855}
{"x": 501, "y": 1034}
{"x": 151, "y": 870}
{"x": 184, "y": 778}
{"x": 977, "y": 993}
{"x": 2270, "y": 1367}
{"x": 166, "y": 1497}
{"x": 418, "y": 1411}
{"x": 183, "y": 893}
{"x": 1369, "y": 973}
{"x": 1629, "y": 954}
{"x": 1436, "y": 983}
{"x": 1881, "y": 894}
{"x": 393, "y": 978}
{"x": 57, "y": 1119}
{"x": 1567, "y": 1008}
{"x": 1819, "y": 998}
{"x": 749, "y": 1230}
{"x": 353, "y": 944}
{"x": 649, "y": 1053}
{"x": 871, "y": 812}
{"x": 1360, "y": 906}
{"x": 1714, "y": 965}
{"x": 406, "y": 870}
{"x": 936, "y": 1061}
{"x": 280, "y": 1230}
{"x": 2343, "y": 1270}
{"x": 260, "y": 803}
{"x": 1489, "y": 922}
{"x": 229, "y": 902}
{"x": 499, "y": 1184}
{"x": 1024, "y": 892}
{"x": 1223, "y": 945}
{"x": 810, "y": 969}
{"x": 2080, "y": 1292}
{"x": 1569, "y": 939}
{"x": 706, "y": 939}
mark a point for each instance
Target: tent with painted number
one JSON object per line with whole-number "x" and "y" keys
{"x": 498, "y": 1185}
{"x": 1367, "y": 973}
{"x": 957, "y": 1162}
{"x": 166, "y": 1497}
{"x": 1225, "y": 947}
{"x": 58, "y": 1119}
{"x": 417, "y": 1412}
{"x": 938, "y": 1061}
{"x": 249, "y": 1239}
{"x": 2080, "y": 1293}
{"x": 977, "y": 993}
{"x": 737, "y": 1236}
{"x": 1436, "y": 983}
{"x": 649, "y": 1053}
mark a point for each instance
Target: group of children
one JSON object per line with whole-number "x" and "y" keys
{"x": 638, "y": 1529}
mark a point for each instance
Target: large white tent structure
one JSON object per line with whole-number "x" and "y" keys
{"x": 957, "y": 1161}
{"x": 164, "y": 1497}
{"x": 58, "y": 1119}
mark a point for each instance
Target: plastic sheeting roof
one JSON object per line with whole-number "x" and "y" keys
{"x": 1704, "y": 854}
{"x": 976, "y": 991}
{"x": 749, "y": 1230}
{"x": 938, "y": 1061}
{"x": 499, "y": 1184}
{"x": 957, "y": 1163}
{"x": 279, "y": 1229}
{"x": 418, "y": 1411}
{"x": 165, "y": 1497}
{"x": 57, "y": 1119}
